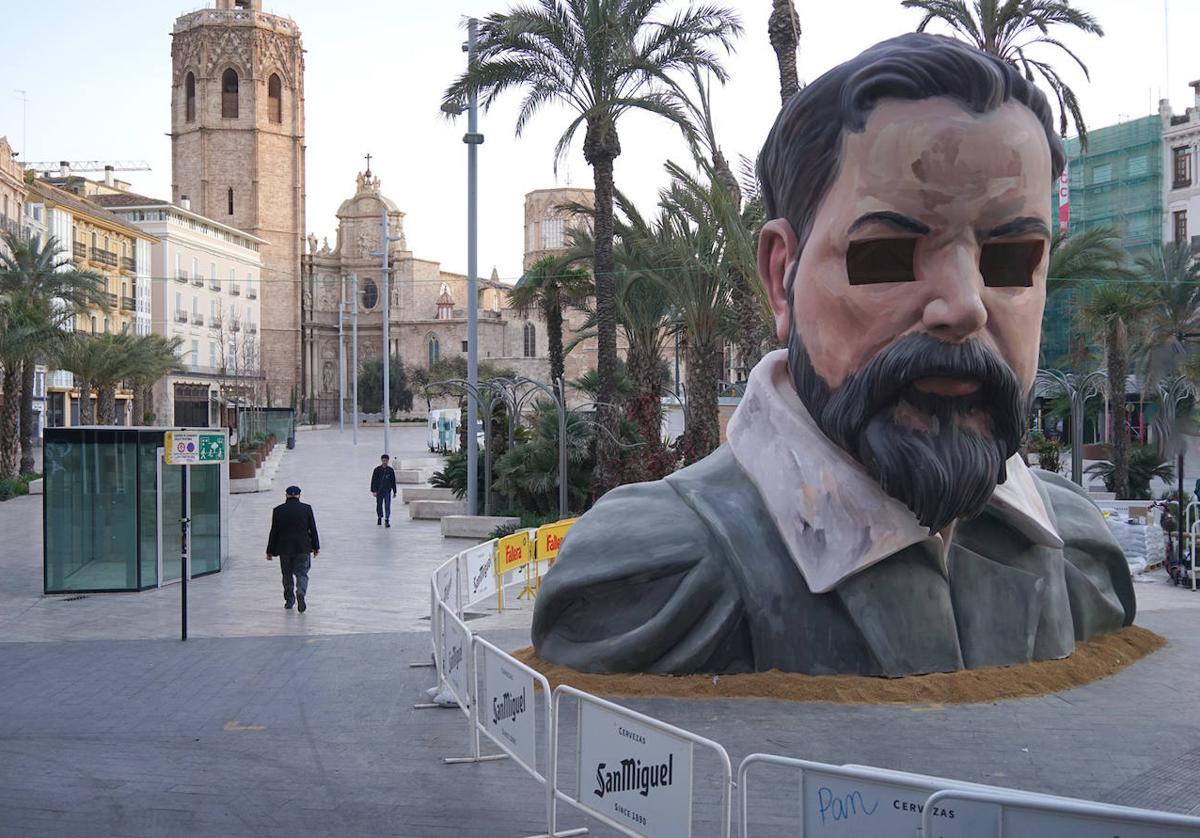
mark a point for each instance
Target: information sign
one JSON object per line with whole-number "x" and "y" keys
{"x": 635, "y": 774}
{"x": 194, "y": 447}
{"x": 549, "y": 538}
{"x": 506, "y": 705}
{"x": 513, "y": 551}
{"x": 479, "y": 574}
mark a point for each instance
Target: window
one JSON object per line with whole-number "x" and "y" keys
{"x": 275, "y": 100}
{"x": 466, "y": 346}
{"x": 229, "y": 201}
{"x": 178, "y": 302}
{"x": 1138, "y": 166}
{"x": 530, "y": 340}
{"x": 212, "y": 311}
{"x": 433, "y": 349}
{"x": 93, "y": 238}
{"x": 552, "y": 233}
{"x": 1102, "y": 174}
{"x": 1181, "y": 164}
{"x": 93, "y": 324}
{"x": 229, "y": 94}
{"x": 1179, "y": 223}
{"x": 189, "y": 98}
{"x": 196, "y": 353}
{"x": 178, "y": 273}
{"x": 370, "y": 294}
{"x": 107, "y": 325}
{"x": 212, "y": 355}
{"x": 196, "y": 270}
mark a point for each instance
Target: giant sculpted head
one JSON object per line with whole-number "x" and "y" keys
{"x": 905, "y": 262}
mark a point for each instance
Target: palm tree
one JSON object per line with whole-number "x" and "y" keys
{"x": 44, "y": 284}
{"x": 601, "y": 59}
{"x": 153, "y": 357}
{"x": 1110, "y": 310}
{"x": 92, "y": 359}
{"x": 547, "y": 287}
{"x": 1076, "y": 262}
{"x": 783, "y": 28}
{"x": 18, "y": 337}
{"x": 1173, "y": 321}
{"x": 1008, "y": 29}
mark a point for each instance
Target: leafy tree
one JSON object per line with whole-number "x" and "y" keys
{"x": 1172, "y": 321}
{"x": 600, "y": 59}
{"x": 548, "y": 287}
{"x": 528, "y": 473}
{"x": 45, "y": 292}
{"x": 370, "y": 386}
{"x": 783, "y": 28}
{"x": 1008, "y": 29}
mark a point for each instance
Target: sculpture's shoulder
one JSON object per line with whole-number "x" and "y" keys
{"x": 1098, "y": 579}
{"x": 640, "y": 585}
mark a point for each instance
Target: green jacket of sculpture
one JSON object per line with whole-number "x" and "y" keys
{"x": 690, "y": 574}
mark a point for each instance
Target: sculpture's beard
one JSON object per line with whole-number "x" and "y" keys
{"x": 941, "y": 456}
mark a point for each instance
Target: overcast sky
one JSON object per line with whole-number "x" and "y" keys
{"x": 97, "y": 77}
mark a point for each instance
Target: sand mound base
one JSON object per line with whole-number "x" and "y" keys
{"x": 1097, "y": 658}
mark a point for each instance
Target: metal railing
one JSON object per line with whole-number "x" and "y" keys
{"x": 79, "y": 250}
{"x": 104, "y": 257}
{"x": 251, "y": 293}
{"x": 234, "y": 290}
{"x": 234, "y": 326}
{"x": 252, "y": 328}
{"x": 181, "y": 276}
{"x": 181, "y": 317}
{"x": 197, "y": 318}
{"x": 129, "y": 263}
{"x": 215, "y": 323}
{"x": 111, "y": 298}
{"x": 128, "y": 304}
{"x": 198, "y": 281}
{"x": 214, "y": 284}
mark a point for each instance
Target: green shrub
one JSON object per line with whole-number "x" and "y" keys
{"x": 1049, "y": 452}
{"x": 1145, "y": 464}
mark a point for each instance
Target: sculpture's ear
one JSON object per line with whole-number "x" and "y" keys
{"x": 778, "y": 247}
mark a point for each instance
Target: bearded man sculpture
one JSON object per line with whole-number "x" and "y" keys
{"x": 869, "y": 514}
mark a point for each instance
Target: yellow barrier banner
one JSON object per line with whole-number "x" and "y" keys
{"x": 513, "y": 551}
{"x": 550, "y": 536}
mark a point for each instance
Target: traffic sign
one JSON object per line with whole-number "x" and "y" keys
{"x": 195, "y": 447}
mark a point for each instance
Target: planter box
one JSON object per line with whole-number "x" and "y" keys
{"x": 478, "y": 527}
{"x": 435, "y": 510}
{"x": 241, "y": 471}
{"x": 1096, "y": 451}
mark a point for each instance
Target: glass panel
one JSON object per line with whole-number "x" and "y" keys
{"x": 91, "y": 510}
{"x": 148, "y": 448}
{"x": 205, "y": 490}
{"x": 172, "y": 543}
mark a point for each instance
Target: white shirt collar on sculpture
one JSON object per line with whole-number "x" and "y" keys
{"x": 833, "y": 516}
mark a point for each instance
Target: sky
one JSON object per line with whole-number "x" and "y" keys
{"x": 97, "y": 79}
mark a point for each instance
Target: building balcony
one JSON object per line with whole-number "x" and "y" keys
{"x": 13, "y": 225}
{"x": 111, "y": 299}
{"x": 104, "y": 257}
{"x": 198, "y": 281}
{"x": 235, "y": 292}
{"x": 252, "y": 328}
{"x": 197, "y": 318}
{"x": 214, "y": 285}
{"x": 215, "y": 323}
{"x": 128, "y": 263}
{"x": 251, "y": 294}
{"x": 79, "y": 250}
{"x": 181, "y": 276}
{"x": 234, "y": 326}
{"x": 181, "y": 317}
{"x": 1181, "y": 183}
{"x": 128, "y": 304}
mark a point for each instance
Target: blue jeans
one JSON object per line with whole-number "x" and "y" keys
{"x": 383, "y": 505}
{"x": 297, "y": 566}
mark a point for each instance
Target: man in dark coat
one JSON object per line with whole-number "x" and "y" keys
{"x": 383, "y": 487}
{"x": 294, "y": 540}
{"x": 869, "y": 513}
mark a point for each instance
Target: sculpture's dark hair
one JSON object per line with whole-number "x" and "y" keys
{"x": 801, "y": 156}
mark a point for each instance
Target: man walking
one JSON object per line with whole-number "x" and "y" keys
{"x": 383, "y": 487}
{"x": 294, "y": 540}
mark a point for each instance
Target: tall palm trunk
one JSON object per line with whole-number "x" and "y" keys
{"x": 87, "y": 415}
{"x": 607, "y": 448}
{"x": 139, "y": 404}
{"x": 1118, "y": 365}
{"x": 645, "y": 409}
{"x": 28, "y": 418}
{"x": 106, "y": 405}
{"x": 702, "y": 413}
{"x": 9, "y": 414}
{"x": 783, "y": 27}
{"x": 554, "y": 338}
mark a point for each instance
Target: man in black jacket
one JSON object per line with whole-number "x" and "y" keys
{"x": 294, "y": 540}
{"x": 383, "y": 487}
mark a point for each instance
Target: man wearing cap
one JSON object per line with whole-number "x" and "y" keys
{"x": 383, "y": 487}
{"x": 294, "y": 540}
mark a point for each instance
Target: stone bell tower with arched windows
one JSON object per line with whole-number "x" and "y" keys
{"x": 237, "y": 153}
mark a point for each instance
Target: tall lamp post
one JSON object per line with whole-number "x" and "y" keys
{"x": 387, "y": 325}
{"x": 1172, "y": 392}
{"x": 1078, "y": 389}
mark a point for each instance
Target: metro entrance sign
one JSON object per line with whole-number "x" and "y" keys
{"x": 194, "y": 448}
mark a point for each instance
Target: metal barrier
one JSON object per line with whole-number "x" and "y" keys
{"x": 999, "y": 815}
{"x": 459, "y": 662}
{"x": 632, "y": 756}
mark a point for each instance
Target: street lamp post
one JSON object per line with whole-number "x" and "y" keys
{"x": 387, "y": 331}
{"x": 473, "y": 139}
{"x": 354, "y": 350}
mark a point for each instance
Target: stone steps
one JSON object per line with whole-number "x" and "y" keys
{"x": 435, "y": 510}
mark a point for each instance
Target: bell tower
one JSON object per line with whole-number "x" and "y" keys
{"x": 237, "y": 152}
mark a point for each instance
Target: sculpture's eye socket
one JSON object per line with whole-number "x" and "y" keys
{"x": 1010, "y": 264}
{"x": 874, "y": 261}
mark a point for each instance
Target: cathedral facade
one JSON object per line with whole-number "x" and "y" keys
{"x": 427, "y": 305}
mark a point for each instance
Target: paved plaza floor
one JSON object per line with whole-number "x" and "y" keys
{"x": 270, "y": 722}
